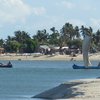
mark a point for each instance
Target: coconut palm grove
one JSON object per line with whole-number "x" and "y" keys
{"x": 68, "y": 35}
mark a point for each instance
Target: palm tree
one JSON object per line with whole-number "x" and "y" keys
{"x": 97, "y": 39}
{"x": 21, "y": 36}
{"x": 54, "y": 37}
{"x": 41, "y": 36}
{"x": 89, "y": 30}
{"x": 76, "y": 31}
{"x": 68, "y": 31}
{"x": 98, "y": 36}
{"x": 1, "y": 42}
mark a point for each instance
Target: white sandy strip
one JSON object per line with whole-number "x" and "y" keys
{"x": 48, "y": 57}
{"x": 88, "y": 89}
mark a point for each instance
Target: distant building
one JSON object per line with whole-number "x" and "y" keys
{"x": 44, "y": 49}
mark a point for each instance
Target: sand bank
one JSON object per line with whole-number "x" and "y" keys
{"x": 86, "y": 89}
{"x": 48, "y": 57}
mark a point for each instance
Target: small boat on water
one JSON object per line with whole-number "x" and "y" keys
{"x": 9, "y": 65}
{"x": 83, "y": 67}
{"x": 85, "y": 49}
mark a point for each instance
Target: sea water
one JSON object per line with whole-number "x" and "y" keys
{"x": 28, "y": 78}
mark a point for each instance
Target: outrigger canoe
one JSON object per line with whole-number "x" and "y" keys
{"x": 83, "y": 67}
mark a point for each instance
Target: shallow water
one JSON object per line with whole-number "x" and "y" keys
{"x": 28, "y": 78}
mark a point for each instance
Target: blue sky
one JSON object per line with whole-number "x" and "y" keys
{"x": 33, "y": 15}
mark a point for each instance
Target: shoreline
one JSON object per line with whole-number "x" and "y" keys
{"x": 74, "y": 90}
{"x": 79, "y": 57}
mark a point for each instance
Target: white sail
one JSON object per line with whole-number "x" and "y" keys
{"x": 85, "y": 49}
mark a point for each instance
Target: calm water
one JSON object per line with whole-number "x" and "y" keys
{"x": 28, "y": 78}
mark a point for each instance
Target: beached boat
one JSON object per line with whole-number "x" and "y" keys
{"x": 85, "y": 49}
{"x": 9, "y": 65}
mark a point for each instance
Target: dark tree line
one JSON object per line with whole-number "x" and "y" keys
{"x": 69, "y": 35}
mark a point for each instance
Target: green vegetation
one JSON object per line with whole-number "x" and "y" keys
{"x": 69, "y": 35}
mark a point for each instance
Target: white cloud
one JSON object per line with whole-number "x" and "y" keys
{"x": 95, "y": 22}
{"x": 13, "y": 10}
{"x": 39, "y": 10}
{"x": 68, "y": 4}
{"x": 87, "y": 7}
{"x": 76, "y": 22}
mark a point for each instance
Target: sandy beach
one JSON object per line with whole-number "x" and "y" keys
{"x": 85, "y": 89}
{"x": 95, "y": 56}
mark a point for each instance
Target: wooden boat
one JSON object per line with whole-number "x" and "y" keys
{"x": 83, "y": 67}
{"x": 9, "y": 65}
{"x": 85, "y": 49}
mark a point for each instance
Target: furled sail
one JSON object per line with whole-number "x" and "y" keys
{"x": 85, "y": 49}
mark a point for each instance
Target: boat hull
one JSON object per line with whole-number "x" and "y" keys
{"x": 5, "y": 66}
{"x": 83, "y": 67}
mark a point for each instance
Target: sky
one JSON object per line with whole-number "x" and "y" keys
{"x": 33, "y": 15}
